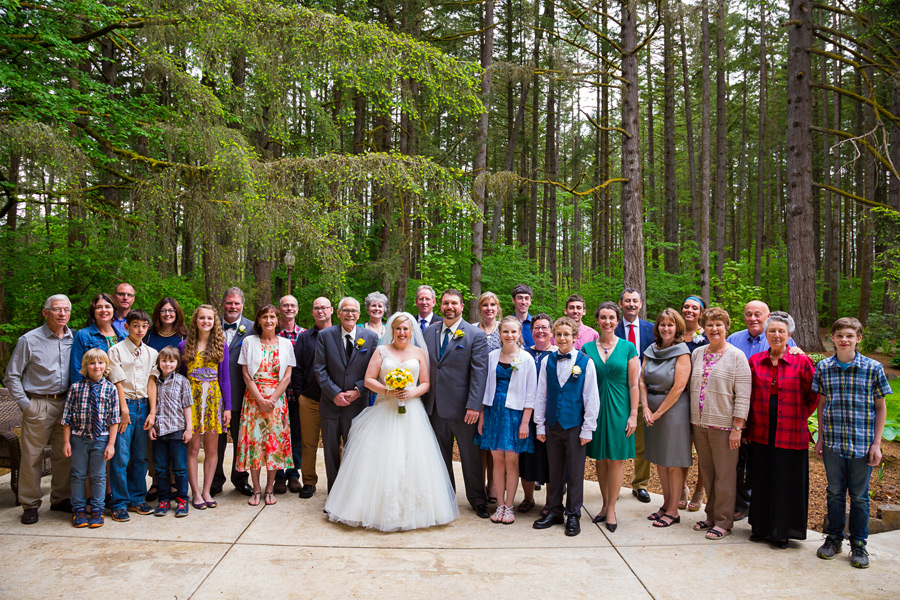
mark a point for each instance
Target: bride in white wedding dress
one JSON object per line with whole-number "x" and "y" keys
{"x": 392, "y": 476}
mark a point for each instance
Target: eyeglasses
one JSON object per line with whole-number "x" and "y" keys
{"x": 60, "y": 311}
{"x": 321, "y": 308}
{"x": 167, "y": 311}
{"x": 540, "y": 328}
{"x": 349, "y": 311}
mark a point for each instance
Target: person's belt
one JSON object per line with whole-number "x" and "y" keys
{"x": 59, "y": 396}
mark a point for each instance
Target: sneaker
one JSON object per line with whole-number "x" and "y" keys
{"x": 859, "y": 556}
{"x": 829, "y": 548}
{"x": 79, "y": 519}
{"x": 97, "y": 518}
{"x": 162, "y": 509}
{"x": 120, "y": 515}
{"x": 142, "y": 509}
{"x": 181, "y": 507}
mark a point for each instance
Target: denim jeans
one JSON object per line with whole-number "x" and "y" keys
{"x": 128, "y": 468}
{"x": 88, "y": 461}
{"x": 170, "y": 452}
{"x": 296, "y": 446}
{"x": 847, "y": 475}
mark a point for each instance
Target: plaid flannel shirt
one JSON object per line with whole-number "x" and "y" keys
{"x": 77, "y": 409}
{"x": 848, "y": 419}
{"x": 173, "y": 395}
{"x": 791, "y": 381}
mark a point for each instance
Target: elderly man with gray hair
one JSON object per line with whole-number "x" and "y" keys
{"x": 342, "y": 357}
{"x": 38, "y": 379}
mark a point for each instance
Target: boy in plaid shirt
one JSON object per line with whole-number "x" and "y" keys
{"x": 89, "y": 419}
{"x": 171, "y": 433}
{"x": 852, "y": 411}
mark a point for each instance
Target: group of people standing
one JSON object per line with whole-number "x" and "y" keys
{"x": 524, "y": 397}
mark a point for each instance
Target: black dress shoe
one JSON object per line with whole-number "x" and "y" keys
{"x": 548, "y": 521}
{"x": 757, "y": 537}
{"x": 642, "y": 495}
{"x": 307, "y": 491}
{"x": 782, "y": 544}
{"x": 244, "y": 488}
{"x": 482, "y": 511}
{"x": 612, "y": 526}
{"x": 599, "y": 519}
{"x": 280, "y": 486}
{"x": 573, "y": 526}
{"x": 29, "y": 516}
{"x": 214, "y": 491}
{"x": 64, "y": 506}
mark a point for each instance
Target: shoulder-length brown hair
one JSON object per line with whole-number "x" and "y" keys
{"x": 91, "y": 319}
{"x": 180, "y": 327}
{"x": 215, "y": 346}
{"x": 672, "y": 315}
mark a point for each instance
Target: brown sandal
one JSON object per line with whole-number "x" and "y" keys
{"x": 703, "y": 525}
{"x": 254, "y": 499}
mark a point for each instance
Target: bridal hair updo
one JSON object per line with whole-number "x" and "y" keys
{"x": 401, "y": 318}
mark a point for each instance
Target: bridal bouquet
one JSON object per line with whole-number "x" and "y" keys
{"x": 399, "y": 379}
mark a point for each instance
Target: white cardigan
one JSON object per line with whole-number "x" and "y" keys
{"x": 251, "y": 355}
{"x": 522, "y": 383}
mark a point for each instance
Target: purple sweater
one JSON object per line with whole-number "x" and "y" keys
{"x": 224, "y": 379}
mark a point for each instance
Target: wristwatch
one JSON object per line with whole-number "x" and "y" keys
{"x": 736, "y": 428}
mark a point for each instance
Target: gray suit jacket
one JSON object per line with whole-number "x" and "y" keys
{"x": 335, "y": 373}
{"x": 457, "y": 379}
{"x": 235, "y": 371}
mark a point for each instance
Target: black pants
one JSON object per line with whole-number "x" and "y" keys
{"x": 566, "y": 456}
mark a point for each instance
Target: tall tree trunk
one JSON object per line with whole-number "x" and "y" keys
{"x": 551, "y": 152}
{"x": 800, "y": 249}
{"x": 605, "y": 196}
{"x": 704, "y": 157}
{"x": 891, "y": 290}
{"x": 632, "y": 222}
{"x": 652, "y": 203}
{"x": 670, "y": 220}
{"x": 689, "y": 127}
{"x": 479, "y": 165}
{"x": 762, "y": 159}
{"x": 721, "y": 145}
{"x": 743, "y": 197}
{"x": 535, "y": 128}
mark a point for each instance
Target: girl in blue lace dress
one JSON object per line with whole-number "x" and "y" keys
{"x": 506, "y": 412}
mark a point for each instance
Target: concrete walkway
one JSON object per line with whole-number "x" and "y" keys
{"x": 290, "y": 550}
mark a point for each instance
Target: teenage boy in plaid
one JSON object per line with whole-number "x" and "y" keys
{"x": 852, "y": 411}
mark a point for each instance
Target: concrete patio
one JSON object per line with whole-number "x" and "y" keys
{"x": 291, "y": 550}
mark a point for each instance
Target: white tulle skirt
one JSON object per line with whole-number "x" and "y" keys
{"x": 392, "y": 476}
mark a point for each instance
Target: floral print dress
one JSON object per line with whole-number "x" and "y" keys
{"x": 265, "y": 434}
{"x": 203, "y": 374}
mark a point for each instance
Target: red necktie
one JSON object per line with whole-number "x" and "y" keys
{"x": 631, "y": 335}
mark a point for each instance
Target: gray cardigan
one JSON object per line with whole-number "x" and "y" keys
{"x": 727, "y": 390}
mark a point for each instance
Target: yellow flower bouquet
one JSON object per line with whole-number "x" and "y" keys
{"x": 399, "y": 379}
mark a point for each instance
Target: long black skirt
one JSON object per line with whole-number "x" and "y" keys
{"x": 778, "y": 506}
{"x": 534, "y": 466}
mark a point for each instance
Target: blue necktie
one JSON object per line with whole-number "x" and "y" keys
{"x": 446, "y": 341}
{"x": 422, "y": 324}
{"x": 96, "y": 424}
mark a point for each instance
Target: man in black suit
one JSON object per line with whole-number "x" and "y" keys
{"x": 458, "y": 364}
{"x": 236, "y": 329}
{"x": 640, "y": 333}
{"x": 425, "y": 304}
{"x": 342, "y": 357}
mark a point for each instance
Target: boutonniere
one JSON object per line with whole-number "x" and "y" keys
{"x": 698, "y": 336}
{"x": 359, "y": 345}
{"x": 458, "y": 334}
{"x": 576, "y": 371}
{"x": 242, "y": 330}
{"x": 514, "y": 365}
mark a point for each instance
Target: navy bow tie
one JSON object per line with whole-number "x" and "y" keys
{"x": 561, "y": 356}
{"x": 227, "y": 326}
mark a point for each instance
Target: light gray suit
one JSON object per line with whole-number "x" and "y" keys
{"x": 336, "y": 374}
{"x": 457, "y": 385}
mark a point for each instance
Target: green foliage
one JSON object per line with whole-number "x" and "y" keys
{"x": 879, "y": 333}
{"x": 736, "y": 291}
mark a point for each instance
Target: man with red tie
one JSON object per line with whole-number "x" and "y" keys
{"x": 640, "y": 333}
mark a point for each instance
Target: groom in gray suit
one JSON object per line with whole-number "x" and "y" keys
{"x": 342, "y": 357}
{"x": 458, "y": 360}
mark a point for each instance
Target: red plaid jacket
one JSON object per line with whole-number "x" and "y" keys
{"x": 791, "y": 380}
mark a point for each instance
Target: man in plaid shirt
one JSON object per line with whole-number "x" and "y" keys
{"x": 288, "y": 329}
{"x": 852, "y": 412}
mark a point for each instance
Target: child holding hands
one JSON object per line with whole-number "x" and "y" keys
{"x": 89, "y": 419}
{"x": 171, "y": 433}
{"x": 503, "y": 425}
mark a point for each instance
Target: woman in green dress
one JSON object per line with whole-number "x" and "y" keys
{"x": 618, "y": 372}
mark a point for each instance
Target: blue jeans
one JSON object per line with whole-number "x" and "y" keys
{"x": 170, "y": 451}
{"x": 296, "y": 446}
{"x": 88, "y": 461}
{"x": 128, "y": 468}
{"x": 847, "y": 475}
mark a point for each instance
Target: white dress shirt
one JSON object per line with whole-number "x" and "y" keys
{"x": 590, "y": 394}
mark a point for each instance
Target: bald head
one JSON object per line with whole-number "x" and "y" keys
{"x": 287, "y": 311}
{"x": 755, "y": 314}
{"x": 322, "y": 312}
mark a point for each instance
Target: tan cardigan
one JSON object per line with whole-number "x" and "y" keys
{"x": 727, "y": 390}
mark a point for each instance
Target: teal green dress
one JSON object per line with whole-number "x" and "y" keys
{"x": 609, "y": 441}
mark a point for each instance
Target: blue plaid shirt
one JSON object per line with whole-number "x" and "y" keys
{"x": 77, "y": 410}
{"x": 848, "y": 419}
{"x": 173, "y": 395}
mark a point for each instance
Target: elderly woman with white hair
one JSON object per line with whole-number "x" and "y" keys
{"x": 780, "y": 404}
{"x": 376, "y": 307}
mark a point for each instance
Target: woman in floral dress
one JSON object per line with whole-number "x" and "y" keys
{"x": 265, "y": 439}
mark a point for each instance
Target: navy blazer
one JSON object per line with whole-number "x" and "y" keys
{"x": 646, "y": 329}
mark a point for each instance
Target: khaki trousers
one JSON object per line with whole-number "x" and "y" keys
{"x": 641, "y": 478}
{"x": 40, "y": 426}
{"x": 718, "y": 465}
{"x": 310, "y": 423}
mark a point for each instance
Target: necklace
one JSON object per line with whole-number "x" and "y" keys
{"x": 605, "y": 349}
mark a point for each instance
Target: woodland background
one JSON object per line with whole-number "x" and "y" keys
{"x": 729, "y": 149}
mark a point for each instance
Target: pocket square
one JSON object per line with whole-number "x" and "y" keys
{"x": 460, "y": 346}
{"x": 363, "y": 350}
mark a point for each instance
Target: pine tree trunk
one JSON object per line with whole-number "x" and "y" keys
{"x": 479, "y": 165}
{"x": 721, "y": 145}
{"x": 689, "y": 128}
{"x": 670, "y": 222}
{"x": 762, "y": 159}
{"x": 551, "y": 155}
{"x": 704, "y": 157}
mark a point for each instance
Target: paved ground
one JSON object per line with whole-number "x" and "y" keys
{"x": 291, "y": 550}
